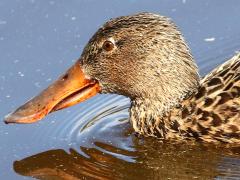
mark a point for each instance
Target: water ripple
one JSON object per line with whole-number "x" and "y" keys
{"x": 103, "y": 120}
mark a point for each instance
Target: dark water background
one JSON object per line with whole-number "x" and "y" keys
{"x": 40, "y": 39}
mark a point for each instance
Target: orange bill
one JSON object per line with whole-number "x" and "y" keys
{"x": 71, "y": 88}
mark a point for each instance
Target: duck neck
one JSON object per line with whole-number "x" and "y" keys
{"x": 153, "y": 117}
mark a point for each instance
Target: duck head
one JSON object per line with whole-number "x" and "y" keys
{"x": 142, "y": 56}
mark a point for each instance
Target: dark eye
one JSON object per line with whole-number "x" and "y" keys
{"x": 108, "y": 46}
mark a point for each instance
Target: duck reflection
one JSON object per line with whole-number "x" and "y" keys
{"x": 150, "y": 160}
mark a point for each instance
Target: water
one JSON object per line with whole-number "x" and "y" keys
{"x": 40, "y": 39}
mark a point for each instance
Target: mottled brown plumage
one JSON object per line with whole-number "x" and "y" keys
{"x": 213, "y": 113}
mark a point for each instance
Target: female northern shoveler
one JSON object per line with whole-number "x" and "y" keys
{"x": 145, "y": 57}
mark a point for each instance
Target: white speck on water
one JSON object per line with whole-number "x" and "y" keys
{"x": 76, "y": 46}
{"x": 51, "y": 2}
{"x": 8, "y": 96}
{"x": 210, "y": 39}
{"x": 16, "y": 156}
{"x": 1, "y": 38}
{"x": 2, "y": 22}
{"x": 46, "y": 16}
{"x": 37, "y": 84}
{"x": 41, "y": 37}
{"x": 16, "y": 61}
{"x": 3, "y": 78}
{"x": 77, "y": 35}
{"x": 20, "y": 74}
{"x": 49, "y": 79}
{"x": 73, "y": 18}
{"x": 184, "y": 1}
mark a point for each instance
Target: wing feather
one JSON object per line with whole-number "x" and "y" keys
{"x": 217, "y": 103}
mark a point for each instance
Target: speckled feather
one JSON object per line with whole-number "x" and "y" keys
{"x": 213, "y": 114}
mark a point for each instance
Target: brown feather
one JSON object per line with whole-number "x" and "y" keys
{"x": 213, "y": 114}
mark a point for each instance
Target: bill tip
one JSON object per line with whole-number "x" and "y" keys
{"x": 7, "y": 119}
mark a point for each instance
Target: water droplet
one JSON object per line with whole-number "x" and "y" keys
{"x": 77, "y": 35}
{"x": 49, "y": 79}
{"x": 2, "y": 22}
{"x": 20, "y": 74}
{"x": 51, "y": 2}
{"x": 3, "y": 78}
{"x": 210, "y": 39}
{"x": 37, "y": 84}
{"x": 8, "y": 96}
{"x": 73, "y": 18}
{"x": 16, "y": 61}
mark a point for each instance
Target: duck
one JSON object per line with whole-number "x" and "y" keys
{"x": 144, "y": 56}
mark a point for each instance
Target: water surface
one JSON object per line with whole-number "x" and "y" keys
{"x": 40, "y": 39}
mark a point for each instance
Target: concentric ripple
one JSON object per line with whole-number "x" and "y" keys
{"x": 97, "y": 122}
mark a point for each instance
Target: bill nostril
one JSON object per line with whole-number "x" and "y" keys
{"x": 65, "y": 77}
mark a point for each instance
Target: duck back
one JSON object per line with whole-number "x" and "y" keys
{"x": 213, "y": 113}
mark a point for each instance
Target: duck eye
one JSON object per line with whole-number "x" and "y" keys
{"x": 108, "y": 46}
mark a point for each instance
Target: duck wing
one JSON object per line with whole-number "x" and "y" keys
{"x": 216, "y": 106}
